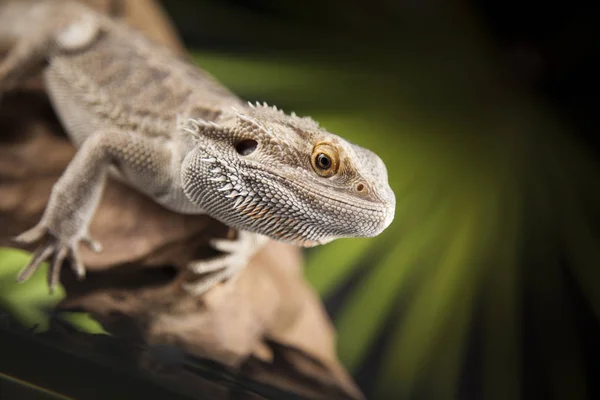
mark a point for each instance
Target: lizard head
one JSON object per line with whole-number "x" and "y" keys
{"x": 283, "y": 176}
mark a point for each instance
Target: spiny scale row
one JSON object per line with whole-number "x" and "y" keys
{"x": 265, "y": 105}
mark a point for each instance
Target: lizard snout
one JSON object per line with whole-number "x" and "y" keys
{"x": 388, "y": 199}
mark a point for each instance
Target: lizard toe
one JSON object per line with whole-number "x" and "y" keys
{"x": 55, "y": 267}
{"x": 31, "y": 236}
{"x": 203, "y": 285}
{"x": 41, "y": 254}
{"x": 206, "y": 266}
{"x": 93, "y": 244}
{"x": 77, "y": 265}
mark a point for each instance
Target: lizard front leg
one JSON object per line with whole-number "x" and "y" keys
{"x": 238, "y": 253}
{"x": 75, "y": 196}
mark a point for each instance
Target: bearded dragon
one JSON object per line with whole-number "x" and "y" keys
{"x": 139, "y": 113}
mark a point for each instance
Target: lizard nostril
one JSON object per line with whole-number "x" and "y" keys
{"x": 361, "y": 189}
{"x": 246, "y": 147}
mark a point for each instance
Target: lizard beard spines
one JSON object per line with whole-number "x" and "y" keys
{"x": 243, "y": 200}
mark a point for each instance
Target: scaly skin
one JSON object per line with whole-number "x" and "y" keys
{"x": 139, "y": 113}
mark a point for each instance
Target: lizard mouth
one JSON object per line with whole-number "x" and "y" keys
{"x": 381, "y": 213}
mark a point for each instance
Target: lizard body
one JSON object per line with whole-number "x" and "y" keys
{"x": 139, "y": 113}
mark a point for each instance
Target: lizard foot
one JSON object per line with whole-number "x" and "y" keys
{"x": 225, "y": 267}
{"x": 51, "y": 246}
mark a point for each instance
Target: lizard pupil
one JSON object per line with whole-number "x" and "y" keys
{"x": 323, "y": 161}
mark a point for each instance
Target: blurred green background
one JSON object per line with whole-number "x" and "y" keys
{"x": 486, "y": 286}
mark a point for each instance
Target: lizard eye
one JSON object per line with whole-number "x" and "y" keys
{"x": 325, "y": 160}
{"x": 246, "y": 147}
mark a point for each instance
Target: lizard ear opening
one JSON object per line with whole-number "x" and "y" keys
{"x": 246, "y": 147}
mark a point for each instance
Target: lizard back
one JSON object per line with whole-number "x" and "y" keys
{"x": 121, "y": 79}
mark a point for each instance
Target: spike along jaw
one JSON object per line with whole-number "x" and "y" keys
{"x": 284, "y": 177}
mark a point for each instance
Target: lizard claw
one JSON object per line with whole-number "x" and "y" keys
{"x": 54, "y": 249}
